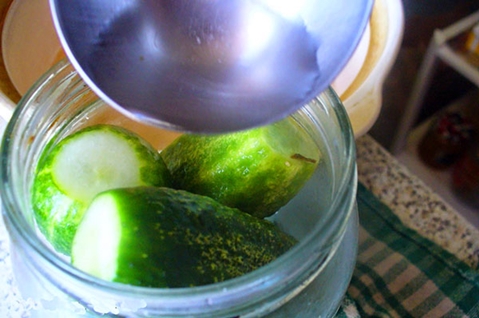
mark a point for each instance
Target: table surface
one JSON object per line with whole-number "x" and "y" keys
{"x": 409, "y": 198}
{"x": 415, "y": 203}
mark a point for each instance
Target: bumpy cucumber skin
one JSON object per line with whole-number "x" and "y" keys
{"x": 57, "y": 215}
{"x": 257, "y": 171}
{"x": 173, "y": 238}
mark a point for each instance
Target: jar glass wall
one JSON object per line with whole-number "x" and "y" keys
{"x": 307, "y": 281}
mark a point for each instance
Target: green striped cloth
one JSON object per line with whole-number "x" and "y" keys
{"x": 399, "y": 273}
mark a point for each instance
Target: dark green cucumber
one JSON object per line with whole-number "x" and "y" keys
{"x": 257, "y": 171}
{"x": 80, "y": 166}
{"x": 161, "y": 237}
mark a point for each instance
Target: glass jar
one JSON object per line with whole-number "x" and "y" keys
{"x": 307, "y": 281}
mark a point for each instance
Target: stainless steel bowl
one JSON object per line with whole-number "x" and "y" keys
{"x": 209, "y": 65}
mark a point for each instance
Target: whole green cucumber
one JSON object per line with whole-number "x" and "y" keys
{"x": 257, "y": 171}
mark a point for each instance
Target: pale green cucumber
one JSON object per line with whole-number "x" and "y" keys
{"x": 161, "y": 237}
{"x": 257, "y": 171}
{"x": 80, "y": 166}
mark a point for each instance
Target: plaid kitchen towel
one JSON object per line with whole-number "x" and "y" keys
{"x": 399, "y": 273}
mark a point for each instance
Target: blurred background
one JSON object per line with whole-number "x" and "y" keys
{"x": 422, "y": 17}
{"x": 450, "y": 106}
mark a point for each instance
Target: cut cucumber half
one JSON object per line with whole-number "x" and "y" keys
{"x": 161, "y": 237}
{"x": 257, "y": 171}
{"x": 82, "y": 165}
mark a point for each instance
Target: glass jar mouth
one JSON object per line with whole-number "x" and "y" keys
{"x": 267, "y": 280}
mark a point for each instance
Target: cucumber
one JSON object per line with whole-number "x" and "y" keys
{"x": 161, "y": 237}
{"x": 92, "y": 160}
{"x": 257, "y": 171}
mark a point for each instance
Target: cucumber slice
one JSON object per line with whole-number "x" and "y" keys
{"x": 161, "y": 237}
{"x": 80, "y": 166}
{"x": 257, "y": 171}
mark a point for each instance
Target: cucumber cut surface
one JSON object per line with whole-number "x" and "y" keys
{"x": 96, "y": 162}
{"x": 90, "y": 161}
{"x": 161, "y": 237}
{"x": 100, "y": 238}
